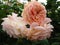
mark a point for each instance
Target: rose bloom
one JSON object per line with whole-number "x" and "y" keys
{"x": 34, "y": 12}
{"x": 37, "y": 32}
{"x": 14, "y": 26}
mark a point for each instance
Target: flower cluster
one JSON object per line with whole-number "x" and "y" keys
{"x": 34, "y": 14}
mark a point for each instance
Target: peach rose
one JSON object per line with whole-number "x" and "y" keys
{"x": 34, "y": 12}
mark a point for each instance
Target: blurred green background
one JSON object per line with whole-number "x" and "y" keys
{"x": 53, "y": 12}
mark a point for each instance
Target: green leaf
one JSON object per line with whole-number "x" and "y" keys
{"x": 56, "y": 43}
{"x": 41, "y": 42}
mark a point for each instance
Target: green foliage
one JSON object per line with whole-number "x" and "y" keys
{"x": 56, "y": 43}
{"x": 52, "y": 11}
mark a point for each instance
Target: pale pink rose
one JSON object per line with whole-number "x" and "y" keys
{"x": 34, "y": 12}
{"x": 14, "y": 26}
{"x": 39, "y": 32}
